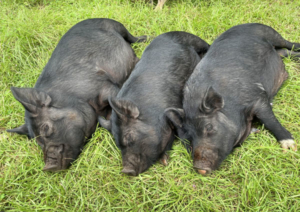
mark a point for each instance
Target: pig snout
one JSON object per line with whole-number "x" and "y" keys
{"x": 205, "y": 160}
{"x": 53, "y": 157}
{"x": 52, "y": 164}
{"x": 51, "y": 167}
{"x": 129, "y": 170}
{"x": 133, "y": 164}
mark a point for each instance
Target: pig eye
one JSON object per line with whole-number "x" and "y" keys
{"x": 46, "y": 130}
{"x": 209, "y": 127}
{"x": 128, "y": 140}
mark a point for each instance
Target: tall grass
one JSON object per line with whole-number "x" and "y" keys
{"x": 256, "y": 177}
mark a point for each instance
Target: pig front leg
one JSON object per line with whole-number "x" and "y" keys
{"x": 265, "y": 114}
{"x": 164, "y": 159}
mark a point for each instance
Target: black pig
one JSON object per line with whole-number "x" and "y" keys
{"x": 233, "y": 83}
{"x": 139, "y": 123}
{"x": 94, "y": 58}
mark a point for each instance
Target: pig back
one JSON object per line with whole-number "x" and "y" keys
{"x": 243, "y": 62}
{"x": 85, "y": 60}
{"x": 159, "y": 76}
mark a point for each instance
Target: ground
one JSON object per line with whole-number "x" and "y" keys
{"x": 257, "y": 176}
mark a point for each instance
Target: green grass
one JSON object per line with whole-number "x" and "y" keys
{"x": 256, "y": 177}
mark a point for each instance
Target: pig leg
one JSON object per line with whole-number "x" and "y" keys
{"x": 130, "y": 38}
{"x": 164, "y": 159}
{"x": 287, "y": 53}
{"x": 254, "y": 130}
{"x": 268, "y": 33}
{"x": 254, "y": 126}
{"x": 119, "y": 28}
{"x": 265, "y": 114}
{"x": 292, "y": 46}
{"x": 278, "y": 41}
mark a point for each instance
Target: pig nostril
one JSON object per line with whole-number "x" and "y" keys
{"x": 129, "y": 171}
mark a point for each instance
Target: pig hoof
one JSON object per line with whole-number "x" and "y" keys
{"x": 288, "y": 143}
{"x": 142, "y": 39}
{"x": 255, "y": 130}
{"x": 164, "y": 160}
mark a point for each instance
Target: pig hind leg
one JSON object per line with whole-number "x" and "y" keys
{"x": 265, "y": 114}
{"x": 131, "y": 39}
{"x": 121, "y": 30}
{"x": 277, "y": 40}
{"x": 287, "y": 53}
{"x": 127, "y": 36}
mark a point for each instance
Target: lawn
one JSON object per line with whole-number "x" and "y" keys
{"x": 257, "y": 176}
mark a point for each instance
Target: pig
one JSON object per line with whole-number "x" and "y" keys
{"x": 90, "y": 63}
{"x": 139, "y": 124}
{"x": 234, "y": 83}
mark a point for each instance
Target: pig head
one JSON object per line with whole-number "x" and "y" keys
{"x": 60, "y": 131}
{"x": 142, "y": 141}
{"x": 204, "y": 122}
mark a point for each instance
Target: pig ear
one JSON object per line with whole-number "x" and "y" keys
{"x": 31, "y": 98}
{"x": 212, "y": 101}
{"x": 175, "y": 115}
{"x": 104, "y": 123}
{"x": 124, "y": 108}
{"x": 101, "y": 101}
{"x": 22, "y": 130}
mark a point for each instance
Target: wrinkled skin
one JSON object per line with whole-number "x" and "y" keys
{"x": 139, "y": 122}
{"x": 234, "y": 83}
{"x": 90, "y": 63}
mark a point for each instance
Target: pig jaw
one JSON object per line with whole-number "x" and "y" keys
{"x": 205, "y": 160}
